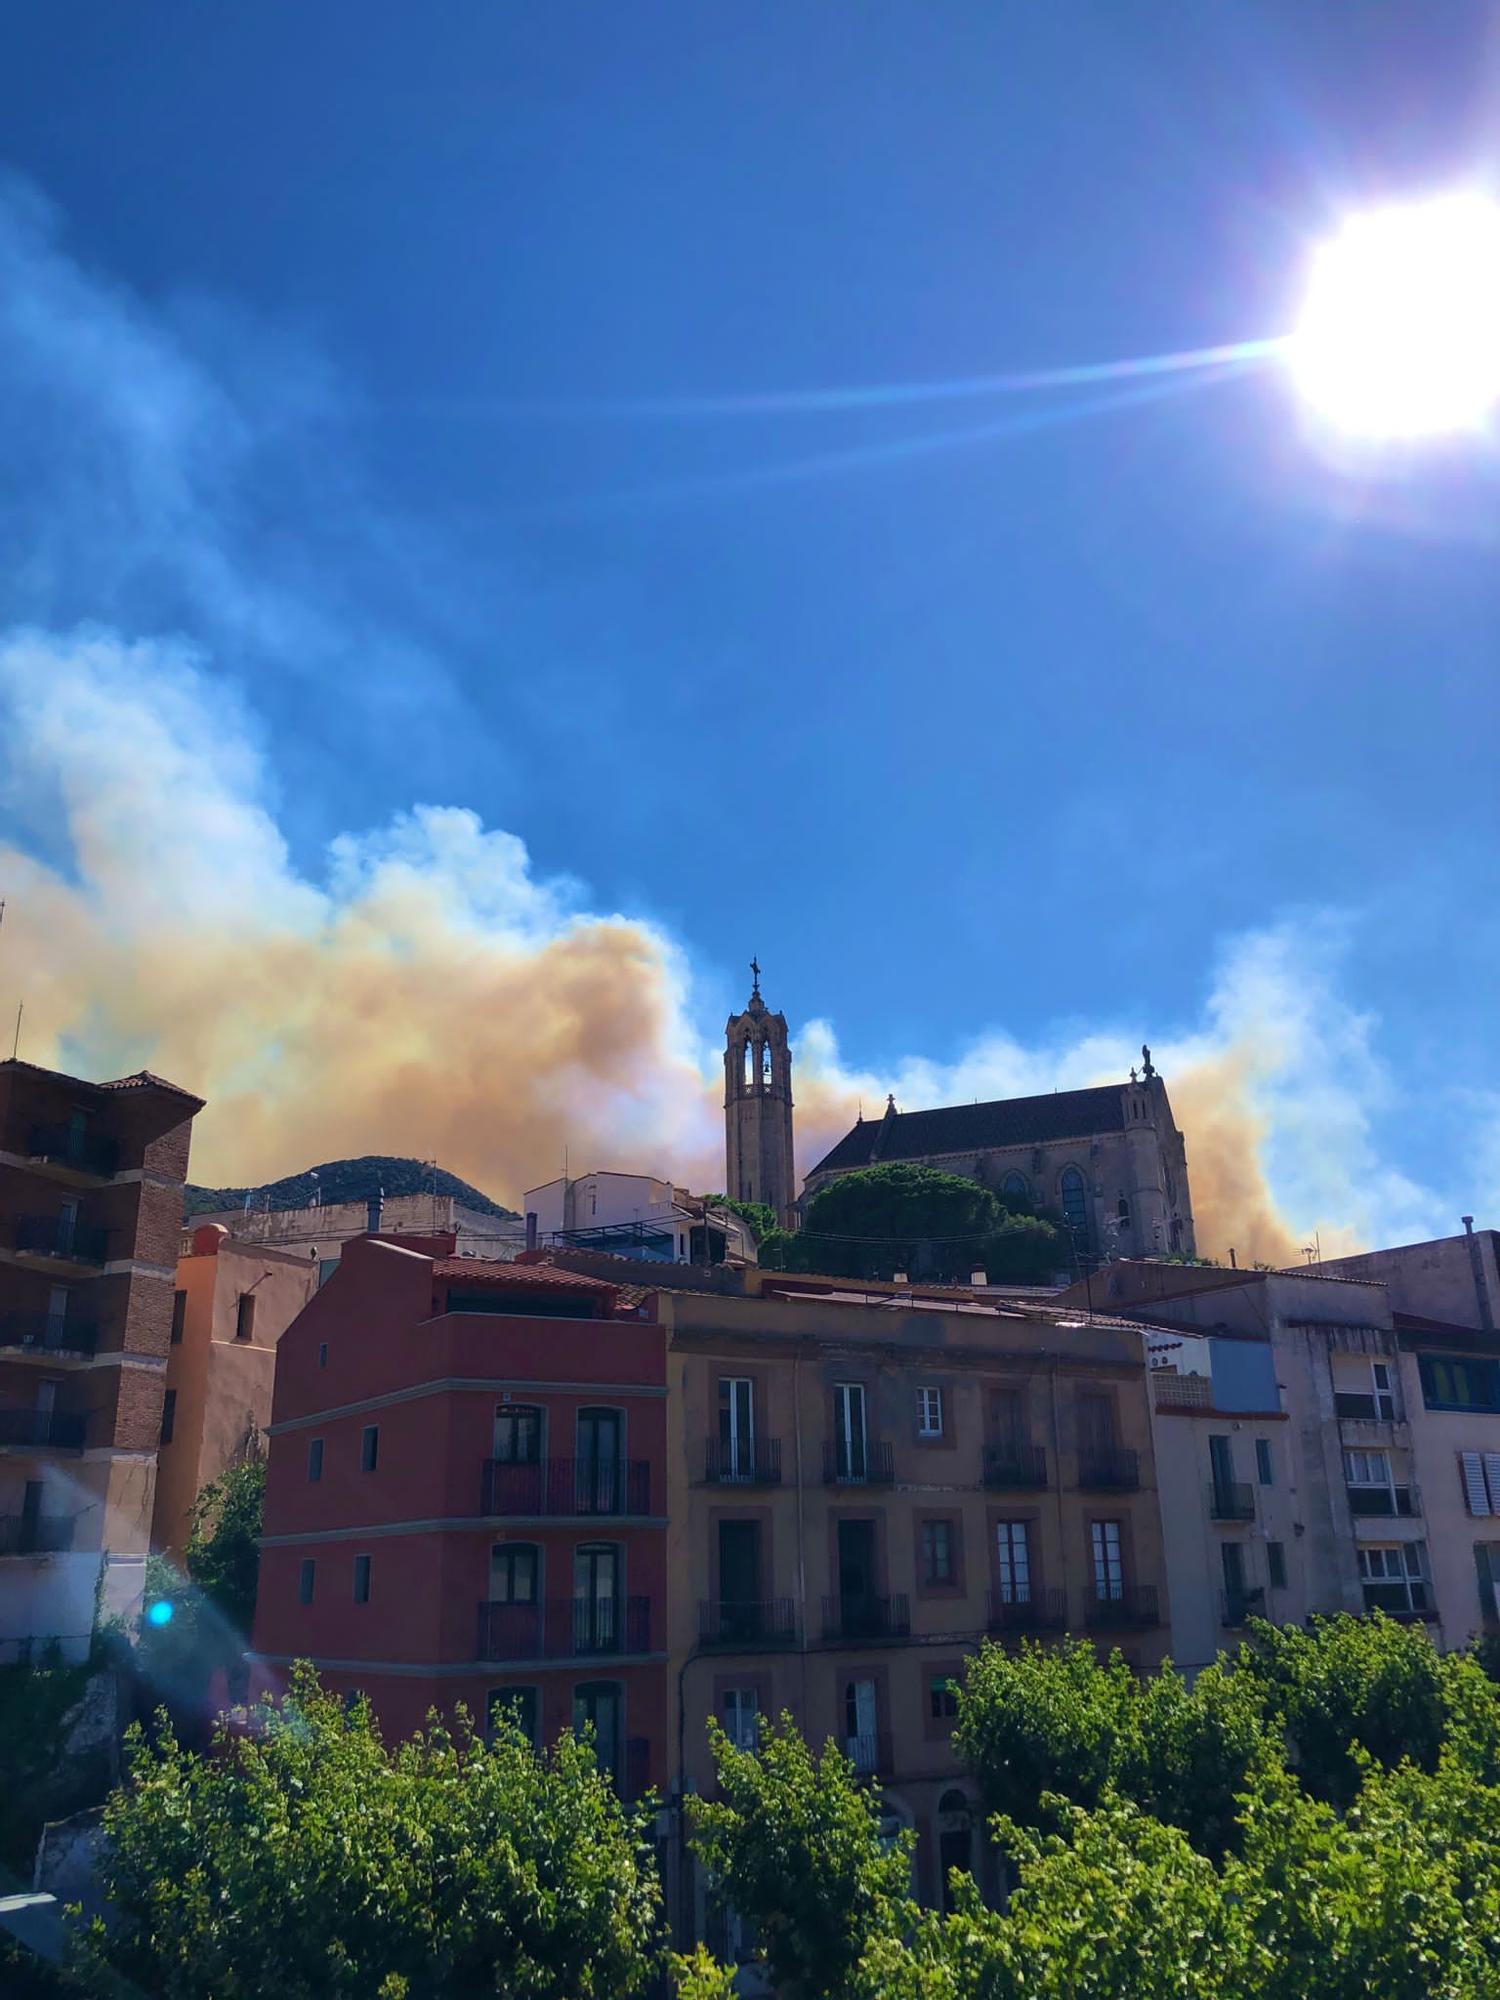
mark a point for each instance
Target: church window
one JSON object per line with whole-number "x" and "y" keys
{"x": 1122, "y": 1211}
{"x": 765, "y": 1065}
{"x": 747, "y": 1072}
{"x": 1014, "y": 1187}
{"x": 1075, "y": 1201}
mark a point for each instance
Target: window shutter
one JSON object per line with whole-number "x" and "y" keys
{"x": 1492, "y": 1474}
{"x": 1471, "y": 1467}
{"x": 1487, "y": 1562}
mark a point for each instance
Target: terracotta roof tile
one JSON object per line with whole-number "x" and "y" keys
{"x": 524, "y": 1277}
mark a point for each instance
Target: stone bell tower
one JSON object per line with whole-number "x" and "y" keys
{"x": 758, "y": 1108}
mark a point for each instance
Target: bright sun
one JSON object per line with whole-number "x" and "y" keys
{"x": 1400, "y": 329}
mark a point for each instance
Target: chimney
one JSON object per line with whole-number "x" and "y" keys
{"x": 373, "y": 1208}
{"x": 531, "y": 1229}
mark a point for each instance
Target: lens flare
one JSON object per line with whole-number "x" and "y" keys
{"x": 1399, "y": 335}
{"x": 160, "y": 1613}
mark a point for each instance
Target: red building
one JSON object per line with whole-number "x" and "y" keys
{"x": 466, "y": 1495}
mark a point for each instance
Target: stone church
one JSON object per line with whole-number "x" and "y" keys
{"x": 1109, "y": 1160}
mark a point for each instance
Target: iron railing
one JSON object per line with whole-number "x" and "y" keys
{"x": 1133, "y": 1604}
{"x": 724, "y": 1624}
{"x": 607, "y": 1486}
{"x": 1034, "y": 1610}
{"x": 742, "y": 1461}
{"x": 1015, "y": 1465}
{"x": 867, "y": 1617}
{"x": 565, "y": 1628}
{"x": 62, "y": 1146}
{"x": 1231, "y": 1500}
{"x": 61, "y": 1430}
{"x": 57, "y": 1236}
{"x": 45, "y": 1333}
{"x": 869, "y": 1754}
{"x": 858, "y": 1462}
{"x": 1237, "y": 1607}
{"x": 1109, "y": 1468}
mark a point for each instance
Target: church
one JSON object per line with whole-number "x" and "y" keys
{"x": 1109, "y": 1160}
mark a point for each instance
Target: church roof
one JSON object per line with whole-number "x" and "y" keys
{"x": 968, "y": 1128}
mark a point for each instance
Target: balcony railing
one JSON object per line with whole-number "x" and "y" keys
{"x": 60, "y": 1430}
{"x": 866, "y": 1617}
{"x": 869, "y": 1754}
{"x": 1133, "y": 1604}
{"x": 731, "y": 1626}
{"x": 1109, "y": 1469}
{"x": 1238, "y": 1607}
{"x": 1380, "y": 1500}
{"x": 565, "y": 1628}
{"x": 1013, "y": 1465}
{"x": 742, "y": 1461}
{"x": 566, "y": 1486}
{"x": 62, "y": 1146}
{"x": 1409, "y": 1599}
{"x": 56, "y": 1236}
{"x": 45, "y": 1333}
{"x": 858, "y": 1462}
{"x": 35, "y": 1534}
{"x": 1036, "y": 1611}
{"x": 632, "y": 1774}
{"x": 1231, "y": 1500}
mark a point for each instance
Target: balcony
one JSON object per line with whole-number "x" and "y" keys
{"x": 858, "y": 1462}
{"x": 36, "y": 1534}
{"x": 56, "y": 1244}
{"x": 41, "y": 1430}
{"x": 566, "y": 1486}
{"x": 866, "y": 1618}
{"x": 1380, "y": 1500}
{"x": 1238, "y": 1607}
{"x": 1108, "y": 1469}
{"x": 565, "y": 1628}
{"x": 44, "y": 1333}
{"x": 746, "y": 1627}
{"x": 1015, "y": 1465}
{"x": 1231, "y": 1500}
{"x": 1407, "y": 1599}
{"x": 870, "y": 1755}
{"x": 75, "y": 1158}
{"x": 1131, "y": 1607}
{"x": 1036, "y": 1611}
{"x": 742, "y": 1462}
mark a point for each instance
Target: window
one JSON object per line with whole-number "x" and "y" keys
{"x": 929, "y": 1413}
{"x": 1109, "y": 1567}
{"x": 596, "y": 1597}
{"x": 1479, "y": 1472}
{"x": 601, "y": 1451}
{"x": 168, "y": 1415}
{"x": 1122, "y": 1212}
{"x": 1380, "y": 1382}
{"x": 513, "y": 1573}
{"x": 938, "y": 1564}
{"x": 361, "y": 1579}
{"x": 518, "y": 1706}
{"x": 244, "y": 1316}
{"x": 305, "y": 1579}
{"x": 315, "y": 1461}
{"x": 1276, "y": 1564}
{"x": 1367, "y": 1468}
{"x": 1013, "y": 1562}
{"x": 369, "y": 1448}
{"x": 1265, "y": 1469}
{"x": 1487, "y": 1564}
{"x": 736, "y": 1427}
{"x": 942, "y": 1698}
{"x": 739, "y": 1710}
{"x": 1393, "y": 1577}
{"x": 518, "y": 1434}
{"x": 179, "y": 1315}
{"x": 1075, "y": 1204}
{"x": 1016, "y": 1189}
{"x": 597, "y": 1705}
{"x": 322, "y": 1353}
{"x": 1452, "y": 1383}
{"x": 861, "y": 1727}
{"x": 849, "y": 1430}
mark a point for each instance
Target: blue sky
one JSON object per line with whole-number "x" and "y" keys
{"x": 1019, "y": 735}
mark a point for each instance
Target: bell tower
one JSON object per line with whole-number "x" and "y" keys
{"x": 758, "y": 1108}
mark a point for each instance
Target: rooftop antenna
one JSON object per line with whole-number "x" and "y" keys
{"x": 15, "y": 1047}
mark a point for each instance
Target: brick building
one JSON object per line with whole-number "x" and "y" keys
{"x": 465, "y": 1498}
{"x": 91, "y": 1179}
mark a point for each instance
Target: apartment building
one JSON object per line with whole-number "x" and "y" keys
{"x": 863, "y": 1486}
{"x": 232, "y": 1303}
{"x": 465, "y": 1498}
{"x": 91, "y": 1179}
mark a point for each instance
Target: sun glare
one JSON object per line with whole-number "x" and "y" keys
{"x": 1400, "y": 329}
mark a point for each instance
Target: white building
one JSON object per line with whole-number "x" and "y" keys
{"x": 635, "y": 1215}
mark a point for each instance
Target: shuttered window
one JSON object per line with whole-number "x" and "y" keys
{"x": 1480, "y": 1473}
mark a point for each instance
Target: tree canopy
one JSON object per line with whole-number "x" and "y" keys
{"x": 935, "y": 1226}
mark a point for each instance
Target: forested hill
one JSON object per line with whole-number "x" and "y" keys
{"x": 344, "y": 1180}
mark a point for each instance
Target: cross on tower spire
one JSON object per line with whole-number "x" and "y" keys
{"x": 755, "y": 978}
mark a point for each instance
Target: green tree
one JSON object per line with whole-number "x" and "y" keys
{"x": 223, "y": 1545}
{"x": 212, "y": 1608}
{"x": 793, "y": 1842}
{"x": 935, "y": 1226}
{"x": 303, "y": 1858}
{"x": 1044, "y": 1720}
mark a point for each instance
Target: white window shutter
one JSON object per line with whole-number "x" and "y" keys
{"x": 1471, "y": 1467}
{"x": 1492, "y": 1474}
